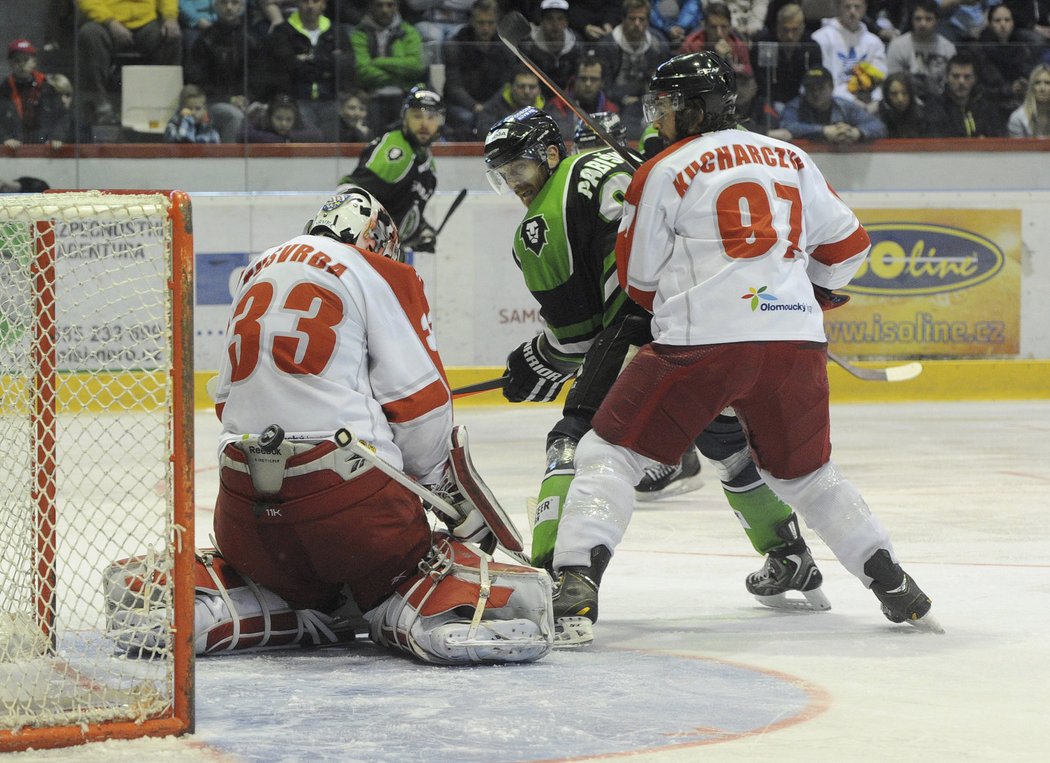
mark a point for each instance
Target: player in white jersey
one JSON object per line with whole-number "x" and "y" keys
{"x": 733, "y": 241}
{"x": 330, "y": 363}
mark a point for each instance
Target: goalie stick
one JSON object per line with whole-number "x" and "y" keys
{"x": 506, "y": 536}
{"x": 455, "y": 204}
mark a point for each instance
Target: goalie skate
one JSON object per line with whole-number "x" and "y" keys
{"x": 663, "y": 481}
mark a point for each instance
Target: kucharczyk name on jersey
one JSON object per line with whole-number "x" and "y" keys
{"x": 734, "y": 155}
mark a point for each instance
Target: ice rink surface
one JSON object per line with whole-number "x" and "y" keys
{"x": 686, "y": 665}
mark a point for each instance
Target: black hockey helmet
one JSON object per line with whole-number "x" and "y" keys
{"x": 422, "y": 97}
{"x": 684, "y": 83}
{"x": 525, "y": 134}
{"x": 584, "y": 138}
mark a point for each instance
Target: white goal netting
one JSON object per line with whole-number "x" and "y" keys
{"x": 94, "y": 421}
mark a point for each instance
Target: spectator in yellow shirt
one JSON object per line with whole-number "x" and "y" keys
{"x": 150, "y": 27}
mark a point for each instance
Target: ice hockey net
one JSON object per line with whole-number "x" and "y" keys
{"x": 96, "y": 399}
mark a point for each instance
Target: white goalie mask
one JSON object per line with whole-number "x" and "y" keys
{"x": 356, "y": 217}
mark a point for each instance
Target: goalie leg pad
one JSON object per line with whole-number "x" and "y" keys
{"x": 463, "y": 609}
{"x": 478, "y": 495}
{"x": 231, "y": 612}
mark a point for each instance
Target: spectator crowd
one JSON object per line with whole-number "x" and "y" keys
{"x": 837, "y": 71}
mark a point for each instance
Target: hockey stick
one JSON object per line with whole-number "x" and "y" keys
{"x": 455, "y": 203}
{"x": 514, "y": 27}
{"x": 485, "y": 386}
{"x": 891, "y": 374}
{"x": 345, "y": 439}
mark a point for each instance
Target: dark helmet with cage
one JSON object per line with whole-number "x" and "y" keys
{"x": 586, "y": 139}
{"x": 525, "y": 134}
{"x": 355, "y": 217}
{"x": 688, "y": 84}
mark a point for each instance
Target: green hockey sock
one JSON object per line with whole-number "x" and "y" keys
{"x": 545, "y": 518}
{"x": 760, "y": 511}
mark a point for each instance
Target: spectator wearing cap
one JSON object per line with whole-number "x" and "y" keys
{"x": 31, "y": 110}
{"x": 552, "y": 46}
{"x": 150, "y": 27}
{"x": 631, "y": 53}
{"x": 817, "y": 114}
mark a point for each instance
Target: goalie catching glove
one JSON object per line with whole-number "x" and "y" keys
{"x": 530, "y": 376}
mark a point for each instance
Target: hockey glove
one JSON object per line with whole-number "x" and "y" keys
{"x": 827, "y": 299}
{"x": 530, "y": 378}
{"x": 424, "y": 240}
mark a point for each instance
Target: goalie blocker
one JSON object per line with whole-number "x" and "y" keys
{"x": 310, "y": 532}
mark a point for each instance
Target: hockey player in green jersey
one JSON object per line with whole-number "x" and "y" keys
{"x": 398, "y": 168}
{"x": 564, "y": 247}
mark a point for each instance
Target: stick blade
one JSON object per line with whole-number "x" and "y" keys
{"x": 514, "y": 27}
{"x": 903, "y": 373}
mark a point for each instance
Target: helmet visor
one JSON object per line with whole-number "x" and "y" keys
{"x": 658, "y": 105}
{"x": 505, "y": 178}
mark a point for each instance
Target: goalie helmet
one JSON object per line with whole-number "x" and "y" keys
{"x": 586, "y": 139}
{"x": 356, "y": 217}
{"x": 692, "y": 81}
{"x": 525, "y": 134}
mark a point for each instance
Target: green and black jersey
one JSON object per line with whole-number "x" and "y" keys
{"x": 565, "y": 247}
{"x": 400, "y": 175}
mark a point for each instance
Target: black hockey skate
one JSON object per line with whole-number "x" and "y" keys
{"x": 902, "y": 599}
{"x": 576, "y": 600}
{"x": 789, "y": 568}
{"x": 663, "y": 481}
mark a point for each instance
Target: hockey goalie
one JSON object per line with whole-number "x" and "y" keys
{"x": 336, "y": 432}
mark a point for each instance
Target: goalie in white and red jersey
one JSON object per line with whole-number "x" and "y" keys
{"x": 335, "y": 409}
{"x": 733, "y": 241}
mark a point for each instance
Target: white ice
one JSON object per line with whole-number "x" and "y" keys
{"x": 685, "y": 664}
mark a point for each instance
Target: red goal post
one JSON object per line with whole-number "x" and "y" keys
{"x": 96, "y": 418}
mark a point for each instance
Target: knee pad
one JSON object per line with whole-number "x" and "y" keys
{"x": 724, "y": 444}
